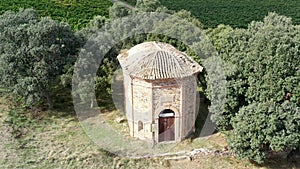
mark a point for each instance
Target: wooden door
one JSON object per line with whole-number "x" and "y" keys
{"x": 166, "y": 126}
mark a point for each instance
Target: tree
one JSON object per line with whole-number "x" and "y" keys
{"x": 262, "y": 104}
{"x": 92, "y": 27}
{"x": 118, "y": 11}
{"x": 260, "y": 128}
{"x": 149, "y": 6}
{"x": 265, "y": 58}
{"x": 33, "y": 54}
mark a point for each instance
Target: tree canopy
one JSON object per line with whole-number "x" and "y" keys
{"x": 261, "y": 128}
{"x": 33, "y": 53}
{"x": 265, "y": 61}
{"x": 265, "y": 58}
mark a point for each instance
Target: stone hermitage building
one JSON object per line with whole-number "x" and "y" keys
{"x": 160, "y": 85}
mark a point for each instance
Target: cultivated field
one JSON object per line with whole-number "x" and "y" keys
{"x": 76, "y": 12}
{"x": 237, "y": 13}
{"x": 211, "y": 13}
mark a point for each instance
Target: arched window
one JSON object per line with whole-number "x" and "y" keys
{"x": 140, "y": 126}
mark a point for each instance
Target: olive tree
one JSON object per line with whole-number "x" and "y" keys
{"x": 33, "y": 54}
{"x": 265, "y": 63}
{"x": 261, "y": 128}
{"x": 263, "y": 87}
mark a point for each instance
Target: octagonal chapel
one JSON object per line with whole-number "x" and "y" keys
{"x": 160, "y": 85}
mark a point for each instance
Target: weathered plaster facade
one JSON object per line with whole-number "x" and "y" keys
{"x": 160, "y": 87}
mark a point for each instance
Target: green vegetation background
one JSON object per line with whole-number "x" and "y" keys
{"x": 236, "y": 13}
{"x": 75, "y": 12}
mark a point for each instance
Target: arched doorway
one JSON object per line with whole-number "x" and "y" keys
{"x": 166, "y": 125}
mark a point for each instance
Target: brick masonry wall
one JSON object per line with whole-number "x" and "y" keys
{"x": 152, "y": 97}
{"x": 189, "y": 105}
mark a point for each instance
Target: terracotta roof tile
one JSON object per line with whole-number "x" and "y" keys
{"x": 155, "y": 60}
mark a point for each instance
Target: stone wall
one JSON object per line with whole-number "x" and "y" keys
{"x": 189, "y": 89}
{"x": 142, "y": 107}
{"x": 128, "y": 102}
{"x": 166, "y": 94}
{"x": 147, "y": 99}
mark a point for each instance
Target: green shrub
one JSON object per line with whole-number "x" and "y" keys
{"x": 262, "y": 128}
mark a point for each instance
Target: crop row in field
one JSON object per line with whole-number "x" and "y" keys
{"x": 76, "y": 12}
{"x": 237, "y": 13}
{"x": 211, "y": 13}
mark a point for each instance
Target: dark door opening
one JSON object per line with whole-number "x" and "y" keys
{"x": 166, "y": 125}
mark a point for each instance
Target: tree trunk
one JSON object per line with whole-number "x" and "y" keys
{"x": 49, "y": 99}
{"x": 92, "y": 102}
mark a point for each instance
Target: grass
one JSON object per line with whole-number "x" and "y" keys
{"x": 56, "y": 139}
{"x": 2, "y": 90}
{"x": 237, "y": 13}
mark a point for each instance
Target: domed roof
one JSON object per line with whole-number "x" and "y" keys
{"x": 156, "y": 60}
